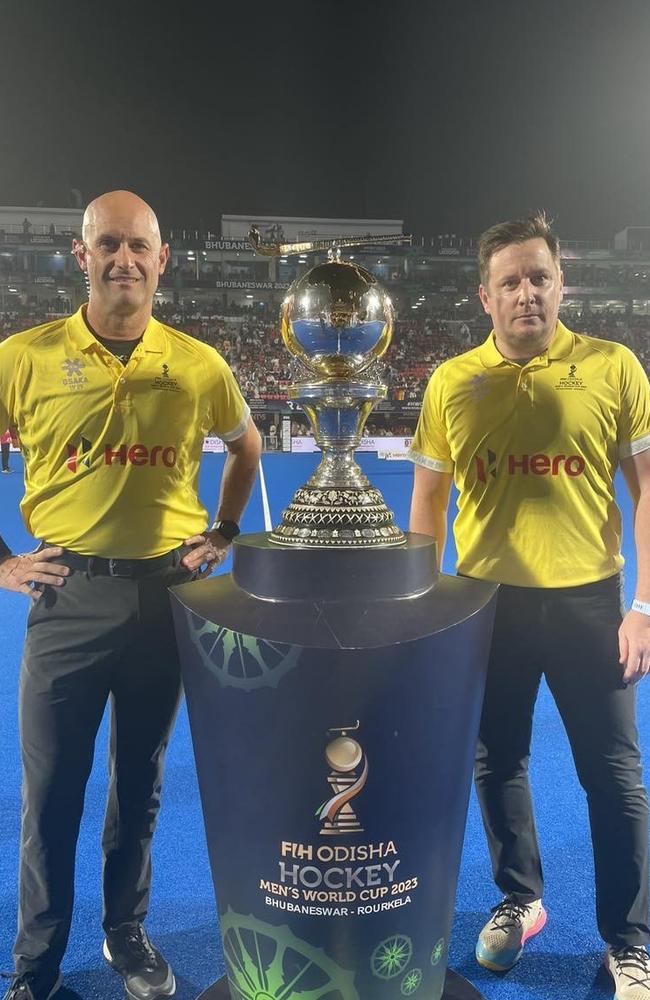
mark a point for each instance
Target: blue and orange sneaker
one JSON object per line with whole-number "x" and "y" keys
{"x": 501, "y": 942}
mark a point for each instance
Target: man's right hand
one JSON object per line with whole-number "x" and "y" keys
{"x": 19, "y": 573}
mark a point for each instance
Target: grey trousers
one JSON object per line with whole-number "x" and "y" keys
{"x": 97, "y": 638}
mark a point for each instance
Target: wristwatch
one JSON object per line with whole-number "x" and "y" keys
{"x": 228, "y": 529}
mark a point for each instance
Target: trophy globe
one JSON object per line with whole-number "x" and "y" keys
{"x": 337, "y": 320}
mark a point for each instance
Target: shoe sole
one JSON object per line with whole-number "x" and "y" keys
{"x": 488, "y": 960}
{"x": 167, "y": 990}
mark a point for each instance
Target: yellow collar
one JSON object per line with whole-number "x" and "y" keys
{"x": 560, "y": 347}
{"x": 153, "y": 339}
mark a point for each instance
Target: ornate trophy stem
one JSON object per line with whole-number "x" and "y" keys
{"x": 337, "y": 506}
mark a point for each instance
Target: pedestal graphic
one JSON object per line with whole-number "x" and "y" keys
{"x": 334, "y": 683}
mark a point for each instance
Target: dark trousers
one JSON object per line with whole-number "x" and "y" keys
{"x": 97, "y": 638}
{"x": 569, "y": 635}
{"x": 5, "y": 449}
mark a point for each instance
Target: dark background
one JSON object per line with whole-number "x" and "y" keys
{"x": 451, "y": 114}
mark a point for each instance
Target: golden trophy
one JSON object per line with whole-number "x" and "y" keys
{"x": 337, "y": 323}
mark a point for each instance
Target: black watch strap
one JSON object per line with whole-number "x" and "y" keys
{"x": 229, "y": 529}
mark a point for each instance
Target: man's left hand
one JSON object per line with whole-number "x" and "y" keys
{"x": 208, "y": 551}
{"x": 634, "y": 646}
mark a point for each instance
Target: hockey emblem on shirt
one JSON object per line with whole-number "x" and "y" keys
{"x": 165, "y": 381}
{"x": 73, "y": 369}
{"x": 571, "y": 380}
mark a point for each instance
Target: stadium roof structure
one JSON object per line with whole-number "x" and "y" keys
{"x": 295, "y": 228}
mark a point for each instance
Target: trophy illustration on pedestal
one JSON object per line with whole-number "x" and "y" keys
{"x": 337, "y": 323}
{"x": 348, "y": 773}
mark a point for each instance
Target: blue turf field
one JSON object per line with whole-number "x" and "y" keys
{"x": 562, "y": 963}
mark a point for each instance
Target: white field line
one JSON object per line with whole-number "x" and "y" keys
{"x": 265, "y": 500}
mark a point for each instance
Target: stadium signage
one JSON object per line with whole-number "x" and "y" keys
{"x": 253, "y": 284}
{"x": 393, "y": 446}
{"x": 238, "y": 245}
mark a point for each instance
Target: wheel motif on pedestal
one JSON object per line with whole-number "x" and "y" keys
{"x": 239, "y": 660}
{"x": 411, "y": 982}
{"x": 391, "y": 956}
{"x": 438, "y": 951}
{"x": 265, "y": 962}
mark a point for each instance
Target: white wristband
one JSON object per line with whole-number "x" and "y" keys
{"x": 643, "y": 607}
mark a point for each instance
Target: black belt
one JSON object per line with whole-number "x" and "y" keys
{"x": 129, "y": 569}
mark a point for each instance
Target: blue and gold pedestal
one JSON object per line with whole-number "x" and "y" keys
{"x": 334, "y": 699}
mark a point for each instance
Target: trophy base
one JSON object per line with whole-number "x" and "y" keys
{"x": 456, "y": 988}
{"x": 332, "y": 517}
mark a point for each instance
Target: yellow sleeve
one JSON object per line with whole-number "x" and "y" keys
{"x": 9, "y": 354}
{"x": 430, "y": 446}
{"x": 634, "y": 416}
{"x": 229, "y": 410}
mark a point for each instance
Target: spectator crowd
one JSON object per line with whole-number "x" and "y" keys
{"x": 253, "y": 347}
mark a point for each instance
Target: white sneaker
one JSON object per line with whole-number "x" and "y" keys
{"x": 630, "y": 969}
{"x": 501, "y": 942}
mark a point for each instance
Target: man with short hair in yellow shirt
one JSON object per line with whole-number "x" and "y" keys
{"x": 532, "y": 426}
{"x": 111, "y": 408}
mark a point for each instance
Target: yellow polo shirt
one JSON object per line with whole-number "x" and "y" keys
{"x": 533, "y": 451}
{"x": 112, "y": 451}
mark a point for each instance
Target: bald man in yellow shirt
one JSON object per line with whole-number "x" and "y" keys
{"x": 111, "y": 408}
{"x": 532, "y": 426}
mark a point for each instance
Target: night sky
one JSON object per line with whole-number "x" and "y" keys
{"x": 450, "y": 114}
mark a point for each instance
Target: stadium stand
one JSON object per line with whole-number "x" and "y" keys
{"x": 219, "y": 292}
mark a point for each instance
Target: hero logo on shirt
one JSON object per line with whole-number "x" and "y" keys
{"x": 538, "y": 464}
{"x": 73, "y": 368}
{"x": 121, "y": 454}
{"x": 75, "y": 458}
{"x": 165, "y": 381}
{"x": 140, "y": 454}
{"x": 486, "y": 468}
